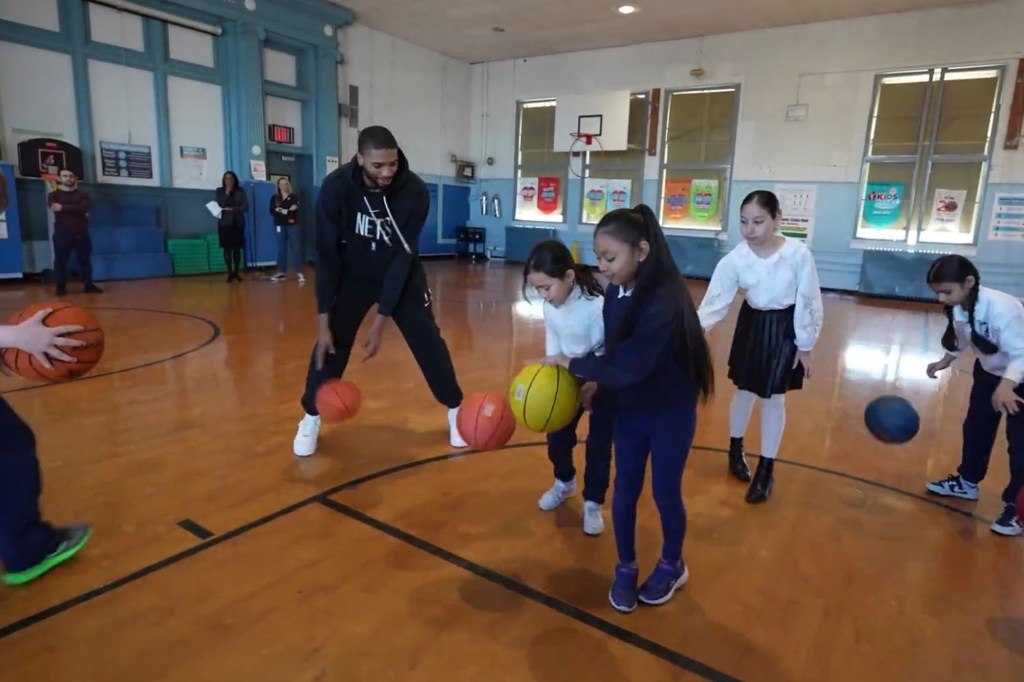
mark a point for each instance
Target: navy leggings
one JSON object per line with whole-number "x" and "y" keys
{"x": 665, "y": 434}
{"x": 25, "y": 539}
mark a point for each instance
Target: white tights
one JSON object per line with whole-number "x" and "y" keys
{"x": 773, "y": 419}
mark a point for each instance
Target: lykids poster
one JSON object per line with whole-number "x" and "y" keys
{"x": 675, "y": 206}
{"x": 527, "y": 195}
{"x": 620, "y": 194}
{"x": 883, "y": 203}
{"x": 547, "y": 194}
{"x": 704, "y": 200}
{"x": 595, "y": 198}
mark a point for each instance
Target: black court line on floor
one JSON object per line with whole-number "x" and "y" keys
{"x": 190, "y": 526}
{"x": 564, "y": 608}
{"x": 57, "y": 609}
{"x": 214, "y": 335}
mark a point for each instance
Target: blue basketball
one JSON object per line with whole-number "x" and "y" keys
{"x": 892, "y": 419}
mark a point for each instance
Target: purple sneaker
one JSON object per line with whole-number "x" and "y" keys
{"x": 664, "y": 581}
{"x": 623, "y": 592}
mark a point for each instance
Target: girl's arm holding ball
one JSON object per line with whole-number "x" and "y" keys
{"x": 32, "y": 336}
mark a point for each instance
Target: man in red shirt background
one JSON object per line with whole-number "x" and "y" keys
{"x": 70, "y": 206}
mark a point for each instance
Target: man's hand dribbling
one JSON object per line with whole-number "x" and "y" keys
{"x": 324, "y": 341}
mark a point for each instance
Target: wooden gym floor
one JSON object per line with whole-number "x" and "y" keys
{"x": 220, "y": 556}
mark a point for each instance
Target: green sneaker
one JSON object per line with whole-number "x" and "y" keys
{"x": 73, "y": 538}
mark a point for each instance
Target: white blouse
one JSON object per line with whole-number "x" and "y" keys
{"x": 999, "y": 317}
{"x": 787, "y": 277}
{"x": 576, "y": 327}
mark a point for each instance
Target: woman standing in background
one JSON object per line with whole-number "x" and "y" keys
{"x": 231, "y": 225}
{"x": 284, "y": 208}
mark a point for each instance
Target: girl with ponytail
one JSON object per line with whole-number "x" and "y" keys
{"x": 991, "y": 323}
{"x": 657, "y": 366}
{"x": 573, "y": 300}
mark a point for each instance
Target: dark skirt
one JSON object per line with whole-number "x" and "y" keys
{"x": 232, "y": 236}
{"x": 763, "y": 352}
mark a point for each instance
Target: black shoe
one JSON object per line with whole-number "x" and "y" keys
{"x": 737, "y": 460}
{"x": 1009, "y": 523}
{"x": 764, "y": 480}
{"x": 93, "y": 289}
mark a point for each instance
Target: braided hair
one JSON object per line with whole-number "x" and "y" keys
{"x": 955, "y": 269}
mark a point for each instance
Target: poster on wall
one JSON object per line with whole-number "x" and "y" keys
{"x": 675, "y": 207}
{"x": 527, "y": 193}
{"x": 131, "y": 161}
{"x": 704, "y": 200}
{"x": 258, "y": 170}
{"x": 193, "y": 163}
{"x": 947, "y": 208}
{"x": 1007, "y": 223}
{"x": 883, "y": 203}
{"x": 798, "y": 203}
{"x": 620, "y": 194}
{"x": 595, "y": 199}
{"x": 547, "y": 194}
{"x": 332, "y": 164}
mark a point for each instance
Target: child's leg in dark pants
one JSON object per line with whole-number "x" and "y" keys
{"x": 632, "y": 446}
{"x": 599, "y": 448}
{"x": 980, "y": 427}
{"x": 1015, "y": 439}
{"x": 560, "y": 448}
{"x": 28, "y": 545}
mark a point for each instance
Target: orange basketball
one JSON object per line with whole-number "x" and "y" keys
{"x": 486, "y": 421}
{"x": 338, "y": 400}
{"x": 27, "y": 366}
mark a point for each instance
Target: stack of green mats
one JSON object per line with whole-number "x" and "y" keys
{"x": 189, "y": 256}
{"x": 215, "y": 253}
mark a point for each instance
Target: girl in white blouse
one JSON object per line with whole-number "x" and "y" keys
{"x": 573, "y": 317}
{"x": 991, "y": 323}
{"x": 778, "y": 325}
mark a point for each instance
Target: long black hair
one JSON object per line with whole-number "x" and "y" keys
{"x": 553, "y": 258}
{"x": 955, "y": 269}
{"x": 659, "y": 272}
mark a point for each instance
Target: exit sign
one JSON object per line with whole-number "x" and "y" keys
{"x": 282, "y": 134}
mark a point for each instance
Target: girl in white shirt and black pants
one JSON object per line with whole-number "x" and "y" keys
{"x": 573, "y": 305}
{"x": 778, "y": 325}
{"x": 991, "y": 323}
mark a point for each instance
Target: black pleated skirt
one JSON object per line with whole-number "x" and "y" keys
{"x": 764, "y": 351}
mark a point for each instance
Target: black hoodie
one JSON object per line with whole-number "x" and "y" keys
{"x": 369, "y": 238}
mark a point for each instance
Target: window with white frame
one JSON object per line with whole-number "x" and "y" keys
{"x": 541, "y": 173}
{"x": 697, "y": 154}
{"x": 615, "y": 179}
{"x": 928, "y": 151}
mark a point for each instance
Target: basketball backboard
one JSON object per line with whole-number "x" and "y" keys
{"x": 600, "y": 115}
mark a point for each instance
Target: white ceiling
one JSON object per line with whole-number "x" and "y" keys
{"x": 463, "y": 28}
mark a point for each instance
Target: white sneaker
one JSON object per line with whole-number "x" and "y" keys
{"x": 954, "y": 486}
{"x": 453, "y": 430}
{"x": 559, "y": 493}
{"x": 306, "y": 436}
{"x": 302, "y": 278}
{"x": 593, "y": 519}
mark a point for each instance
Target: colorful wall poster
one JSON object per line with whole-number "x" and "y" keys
{"x": 704, "y": 200}
{"x": 1007, "y": 223}
{"x": 675, "y": 206}
{"x": 595, "y": 199}
{"x": 883, "y": 203}
{"x": 527, "y": 195}
{"x": 947, "y": 209}
{"x": 798, "y": 203}
{"x": 620, "y": 194}
{"x": 548, "y": 191}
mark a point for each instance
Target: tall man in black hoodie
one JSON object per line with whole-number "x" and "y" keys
{"x": 369, "y": 217}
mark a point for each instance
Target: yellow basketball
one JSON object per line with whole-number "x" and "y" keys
{"x": 544, "y": 398}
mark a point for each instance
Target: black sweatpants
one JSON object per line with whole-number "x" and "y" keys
{"x": 414, "y": 317}
{"x": 64, "y": 243}
{"x": 980, "y": 428}
{"x": 597, "y": 474}
{"x": 25, "y": 539}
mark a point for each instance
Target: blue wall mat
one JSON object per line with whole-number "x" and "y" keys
{"x": 890, "y": 273}
{"x": 260, "y": 232}
{"x": 428, "y": 245}
{"x": 11, "y": 257}
{"x": 695, "y": 256}
{"x": 126, "y": 240}
{"x": 520, "y": 240}
{"x": 455, "y": 210}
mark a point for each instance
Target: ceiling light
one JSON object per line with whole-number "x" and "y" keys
{"x": 627, "y": 9}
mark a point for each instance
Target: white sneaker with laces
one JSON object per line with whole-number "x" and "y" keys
{"x": 453, "y": 429}
{"x": 307, "y": 435}
{"x": 556, "y": 495}
{"x": 593, "y": 519}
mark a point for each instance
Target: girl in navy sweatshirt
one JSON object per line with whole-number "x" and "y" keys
{"x": 657, "y": 366}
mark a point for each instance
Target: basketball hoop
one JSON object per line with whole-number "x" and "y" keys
{"x": 583, "y": 142}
